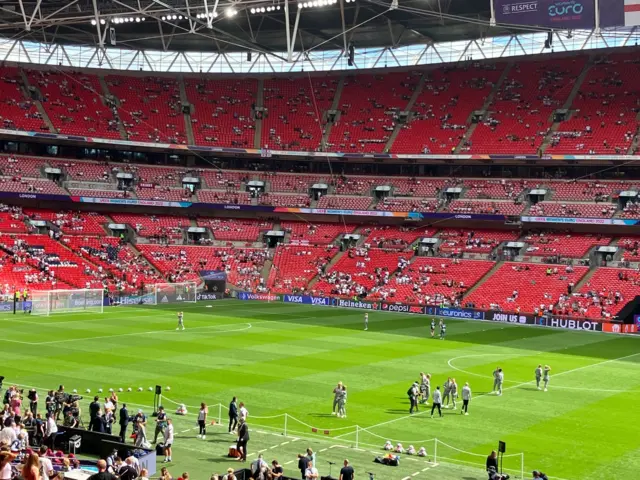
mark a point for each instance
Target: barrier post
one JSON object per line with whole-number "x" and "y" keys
{"x": 357, "y": 434}
{"x": 219, "y": 414}
{"x": 286, "y": 415}
{"x": 435, "y": 451}
{"x": 522, "y": 466}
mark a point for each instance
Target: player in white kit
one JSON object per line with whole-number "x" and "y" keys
{"x": 180, "y": 321}
{"x": 366, "y": 321}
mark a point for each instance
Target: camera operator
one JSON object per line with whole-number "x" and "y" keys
{"x": 494, "y": 475}
{"x": 50, "y": 402}
{"x": 537, "y": 475}
{"x": 33, "y": 401}
{"x": 70, "y": 421}
{"x": 60, "y": 400}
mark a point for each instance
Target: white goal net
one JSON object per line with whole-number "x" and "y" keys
{"x": 49, "y": 302}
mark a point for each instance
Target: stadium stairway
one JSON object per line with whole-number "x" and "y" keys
{"x": 107, "y": 94}
{"x": 333, "y": 261}
{"x": 410, "y": 104}
{"x": 483, "y": 279}
{"x": 135, "y": 250}
{"x": 334, "y": 106}
{"x": 567, "y": 104}
{"x": 37, "y": 103}
{"x": 485, "y": 106}
{"x": 257, "y": 136}
{"x": 184, "y": 100}
{"x": 633, "y": 148}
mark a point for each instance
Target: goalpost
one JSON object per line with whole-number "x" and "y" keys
{"x": 164, "y": 293}
{"x": 48, "y": 302}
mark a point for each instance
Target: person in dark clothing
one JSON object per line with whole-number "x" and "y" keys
{"x": 233, "y": 415}
{"x": 243, "y": 439}
{"x": 347, "y": 473}
{"x": 94, "y": 408}
{"x": 124, "y": 422}
{"x": 302, "y": 464}
{"x": 102, "y": 474}
{"x": 99, "y": 423}
{"x": 492, "y": 461}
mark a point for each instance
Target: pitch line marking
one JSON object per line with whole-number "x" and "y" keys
{"x": 151, "y": 332}
{"x": 560, "y": 387}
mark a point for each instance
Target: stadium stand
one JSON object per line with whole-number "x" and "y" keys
{"x": 73, "y": 101}
{"x": 294, "y": 266}
{"x": 458, "y": 242}
{"x": 17, "y": 112}
{"x": 284, "y": 200}
{"x": 519, "y": 116}
{"x": 157, "y": 227}
{"x": 150, "y": 108}
{"x": 292, "y": 121}
{"x": 235, "y": 230}
{"x": 71, "y": 223}
{"x": 525, "y": 287}
{"x": 344, "y": 202}
{"x": 363, "y": 125}
{"x": 315, "y": 233}
{"x": 569, "y": 245}
{"x": 223, "y": 111}
{"x": 477, "y": 206}
{"x": 596, "y": 210}
{"x": 442, "y": 109}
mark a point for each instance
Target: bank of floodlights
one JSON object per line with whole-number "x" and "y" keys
{"x": 119, "y": 20}
{"x": 319, "y": 3}
{"x": 267, "y": 9}
{"x": 204, "y": 15}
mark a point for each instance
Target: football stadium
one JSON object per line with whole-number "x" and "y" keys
{"x": 262, "y": 239}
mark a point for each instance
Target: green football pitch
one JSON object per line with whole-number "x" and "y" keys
{"x": 284, "y": 360}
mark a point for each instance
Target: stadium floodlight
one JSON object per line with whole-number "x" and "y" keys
{"x": 230, "y": 12}
{"x": 137, "y": 19}
{"x": 164, "y": 19}
{"x": 93, "y": 22}
{"x": 102, "y": 21}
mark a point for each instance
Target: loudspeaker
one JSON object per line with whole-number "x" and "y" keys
{"x": 248, "y": 56}
{"x": 502, "y": 447}
{"x": 351, "y": 56}
{"x": 158, "y": 390}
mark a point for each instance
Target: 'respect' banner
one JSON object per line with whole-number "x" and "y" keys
{"x": 567, "y": 14}
{"x": 558, "y": 14}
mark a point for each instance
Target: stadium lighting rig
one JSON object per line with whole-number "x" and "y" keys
{"x": 267, "y": 9}
{"x": 119, "y": 20}
{"x": 319, "y": 3}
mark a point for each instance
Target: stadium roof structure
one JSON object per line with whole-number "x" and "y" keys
{"x": 261, "y": 26}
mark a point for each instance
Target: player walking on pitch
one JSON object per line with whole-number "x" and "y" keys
{"x": 499, "y": 381}
{"x": 443, "y": 330}
{"x": 453, "y": 386}
{"x": 538, "y": 376}
{"x": 433, "y": 328}
{"x": 425, "y": 387}
{"x": 495, "y": 379}
{"x": 180, "y": 321}
{"x": 545, "y": 377}
{"x": 366, "y": 321}
{"x": 466, "y": 398}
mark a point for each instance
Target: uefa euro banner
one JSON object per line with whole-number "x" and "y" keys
{"x": 567, "y": 14}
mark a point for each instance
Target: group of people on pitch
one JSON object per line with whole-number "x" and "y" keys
{"x": 419, "y": 392}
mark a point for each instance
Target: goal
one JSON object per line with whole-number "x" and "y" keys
{"x": 49, "y": 302}
{"x": 165, "y": 293}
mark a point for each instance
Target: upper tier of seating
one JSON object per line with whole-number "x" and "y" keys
{"x": 150, "y": 108}
{"x": 73, "y": 102}
{"x": 315, "y": 233}
{"x": 365, "y": 123}
{"x": 604, "y": 113}
{"x": 17, "y": 112}
{"x": 222, "y": 111}
{"x": 568, "y": 245}
{"x": 520, "y": 114}
{"x": 459, "y": 241}
{"x": 441, "y": 110}
{"x": 294, "y": 111}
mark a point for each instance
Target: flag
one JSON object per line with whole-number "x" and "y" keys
{"x": 631, "y": 12}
